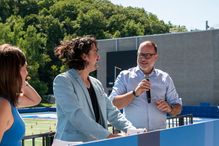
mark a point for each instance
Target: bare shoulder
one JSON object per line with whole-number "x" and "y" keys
{"x": 6, "y": 117}
{"x": 5, "y": 107}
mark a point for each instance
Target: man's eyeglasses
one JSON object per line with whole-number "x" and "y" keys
{"x": 146, "y": 55}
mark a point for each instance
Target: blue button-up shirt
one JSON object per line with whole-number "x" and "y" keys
{"x": 141, "y": 113}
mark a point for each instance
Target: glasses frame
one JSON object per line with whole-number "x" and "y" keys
{"x": 146, "y": 55}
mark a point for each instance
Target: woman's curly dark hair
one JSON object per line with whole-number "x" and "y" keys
{"x": 71, "y": 51}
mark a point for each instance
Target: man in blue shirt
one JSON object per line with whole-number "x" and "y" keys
{"x": 131, "y": 86}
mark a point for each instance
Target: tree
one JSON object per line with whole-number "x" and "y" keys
{"x": 64, "y": 9}
{"x": 134, "y": 29}
{"x": 93, "y": 23}
{"x": 38, "y": 26}
{"x": 33, "y": 45}
{"x": 12, "y": 30}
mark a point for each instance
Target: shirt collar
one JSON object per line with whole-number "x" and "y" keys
{"x": 141, "y": 72}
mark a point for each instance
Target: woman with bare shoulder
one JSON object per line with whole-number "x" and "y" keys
{"x": 15, "y": 92}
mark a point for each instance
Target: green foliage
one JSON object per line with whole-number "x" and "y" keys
{"x": 33, "y": 45}
{"x": 64, "y": 9}
{"x": 37, "y": 26}
{"x": 90, "y": 22}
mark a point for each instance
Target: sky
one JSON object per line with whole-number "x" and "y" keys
{"x": 191, "y": 13}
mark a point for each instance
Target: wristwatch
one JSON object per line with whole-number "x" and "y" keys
{"x": 134, "y": 93}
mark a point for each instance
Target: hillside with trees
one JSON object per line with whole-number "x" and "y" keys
{"x": 37, "y": 26}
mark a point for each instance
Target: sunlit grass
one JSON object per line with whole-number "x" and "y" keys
{"x": 38, "y": 126}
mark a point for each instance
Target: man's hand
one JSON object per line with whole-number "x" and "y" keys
{"x": 116, "y": 135}
{"x": 173, "y": 110}
{"x": 143, "y": 86}
{"x": 163, "y": 106}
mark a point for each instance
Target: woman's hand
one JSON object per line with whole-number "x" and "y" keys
{"x": 28, "y": 97}
{"x": 116, "y": 135}
{"x": 24, "y": 74}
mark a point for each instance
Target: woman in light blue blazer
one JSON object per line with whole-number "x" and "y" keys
{"x": 83, "y": 108}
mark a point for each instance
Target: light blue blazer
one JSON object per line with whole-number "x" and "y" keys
{"x": 76, "y": 118}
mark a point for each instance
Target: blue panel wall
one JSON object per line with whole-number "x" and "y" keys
{"x": 212, "y": 133}
{"x": 183, "y": 136}
{"x": 150, "y": 139}
{"x": 201, "y": 134}
{"x": 122, "y": 141}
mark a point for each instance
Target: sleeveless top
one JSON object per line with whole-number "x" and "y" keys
{"x": 13, "y": 136}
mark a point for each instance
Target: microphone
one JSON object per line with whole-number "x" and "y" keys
{"x": 148, "y": 93}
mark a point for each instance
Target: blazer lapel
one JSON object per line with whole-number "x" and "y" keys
{"x": 77, "y": 77}
{"x": 99, "y": 95}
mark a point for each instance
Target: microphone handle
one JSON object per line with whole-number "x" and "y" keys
{"x": 148, "y": 94}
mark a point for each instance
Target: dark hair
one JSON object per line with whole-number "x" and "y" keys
{"x": 11, "y": 61}
{"x": 71, "y": 51}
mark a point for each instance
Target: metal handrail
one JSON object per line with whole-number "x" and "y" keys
{"x": 179, "y": 120}
{"x": 171, "y": 122}
{"x": 47, "y": 138}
